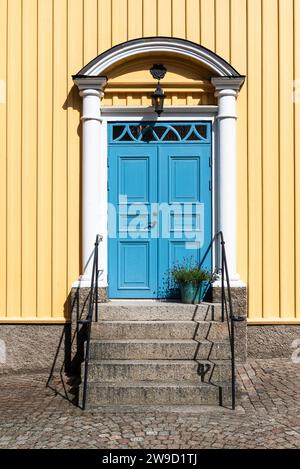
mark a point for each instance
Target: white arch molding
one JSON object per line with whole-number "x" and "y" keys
{"x": 91, "y": 81}
{"x": 182, "y": 47}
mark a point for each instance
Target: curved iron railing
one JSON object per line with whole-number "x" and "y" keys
{"x": 226, "y": 304}
{"x": 92, "y": 314}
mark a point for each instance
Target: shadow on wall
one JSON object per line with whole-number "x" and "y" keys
{"x": 65, "y": 375}
{"x": 73, "y": 102}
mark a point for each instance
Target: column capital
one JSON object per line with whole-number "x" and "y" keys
{"x": 87, "y": 83}
{"x": 91, "y": 90}
{"x": 227, "y": 85}
{"x": 227, "y": 90}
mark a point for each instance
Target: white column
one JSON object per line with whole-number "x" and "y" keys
{"x": 227, "y": 90}
{"x": 90, "y": 89}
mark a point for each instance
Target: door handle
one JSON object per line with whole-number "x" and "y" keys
{"x": 152, "y": 225}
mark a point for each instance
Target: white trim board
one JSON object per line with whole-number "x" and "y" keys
{"x": 176, "y": 112}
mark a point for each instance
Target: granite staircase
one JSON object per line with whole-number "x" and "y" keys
{"x": 159, "y": 353}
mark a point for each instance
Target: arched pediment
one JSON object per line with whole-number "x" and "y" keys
{"x": 179, "y": 48}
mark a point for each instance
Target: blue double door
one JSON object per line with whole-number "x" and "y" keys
{"x": 159, "y": 194}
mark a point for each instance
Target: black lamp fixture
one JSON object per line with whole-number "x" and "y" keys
{"x": 158, "y": 72}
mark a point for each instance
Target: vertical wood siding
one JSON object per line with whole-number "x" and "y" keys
{"x": 3, "y": 148}
{"x": 254, "y": 130}
{"x": 296, "y": 57}
{"x": 29, "y": 80}
{"x": 43, "y": 42}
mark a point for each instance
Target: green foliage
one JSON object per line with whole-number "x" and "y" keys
{"x": 189, "y": 272}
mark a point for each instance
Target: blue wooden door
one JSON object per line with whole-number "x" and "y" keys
{"x": 159, "y": 195}
{"x": 132, "y": 252}
{"x": 185, "y": 195}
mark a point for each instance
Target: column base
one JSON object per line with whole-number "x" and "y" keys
{"x": 84, "y": 281}
{"x": 79, "y": 300}
{"x": 239, "y": 304}
{"x": 234, "y": 283}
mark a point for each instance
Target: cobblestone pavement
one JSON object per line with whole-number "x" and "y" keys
{"x": 32, "y": 416}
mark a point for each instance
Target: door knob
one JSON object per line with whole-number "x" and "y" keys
{"x": 152, "y": 225}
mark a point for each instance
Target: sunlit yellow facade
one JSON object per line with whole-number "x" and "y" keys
{"x": 44, "y": 42}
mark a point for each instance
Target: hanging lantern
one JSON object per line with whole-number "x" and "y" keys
{"x": 158, "y": 72}
{"x": 158, "y": 98}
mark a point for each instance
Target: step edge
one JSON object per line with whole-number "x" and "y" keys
{"x": 155, "y": 384}
{"x": 143, "y": 362}
{"x": 144, "y": 341}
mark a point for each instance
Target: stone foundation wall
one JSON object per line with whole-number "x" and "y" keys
{"x": 271, "y": 341}
{"x": 34, "y": 346}
{"x": 31, "y": 347}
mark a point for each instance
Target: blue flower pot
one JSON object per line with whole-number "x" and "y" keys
{"x": 193, "y": 293}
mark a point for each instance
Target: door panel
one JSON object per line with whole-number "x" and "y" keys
{"x": 134, "y": 258}
{"x": 134, "y": 178}
{"x": 183, "y": 176}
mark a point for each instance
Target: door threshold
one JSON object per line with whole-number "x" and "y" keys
{"x": 142, "y": 300}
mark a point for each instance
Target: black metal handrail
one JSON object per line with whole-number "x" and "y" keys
{"x": 226, "y": 305}
{"x": 92, "y": 314}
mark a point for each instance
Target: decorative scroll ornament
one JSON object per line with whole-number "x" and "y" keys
{"x": 151, "y": 132}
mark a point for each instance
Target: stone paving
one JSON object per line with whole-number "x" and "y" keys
{"x": 33, "y": 416}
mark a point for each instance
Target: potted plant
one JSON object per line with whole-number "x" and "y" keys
{"x": 192, "y": 280}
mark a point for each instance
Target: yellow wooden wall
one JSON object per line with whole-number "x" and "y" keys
{"x": 43, "y": 42}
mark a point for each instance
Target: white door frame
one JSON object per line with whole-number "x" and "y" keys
{"x": 123, "y": 114}
{"x": 227, "y": 84}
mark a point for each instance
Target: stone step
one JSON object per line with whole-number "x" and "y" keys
{"x": 159, "y": 330}
{"x": 207, "y": 350}
{"x": 144, "y": 330}
{"x": 144, "y": 370}
{"x": 158, "y": 311}
{"x": 155, "y": 393}
{"x": 159, "y": 349}
{"x": 211, "y": 330}
{"x": 214, "y": 371}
